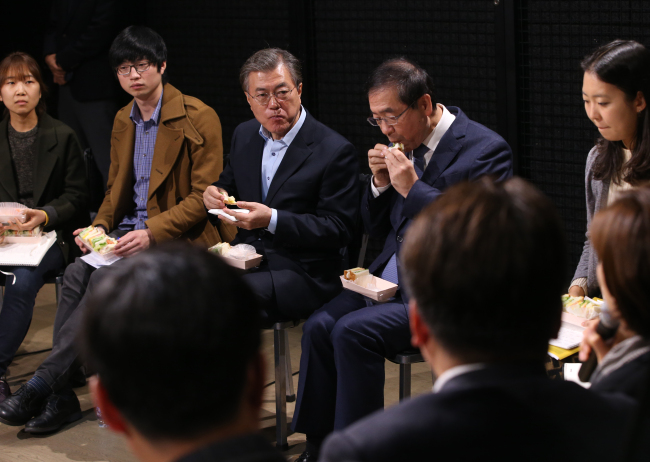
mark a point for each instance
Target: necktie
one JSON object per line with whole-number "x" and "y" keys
{"x": 390, "y": 270}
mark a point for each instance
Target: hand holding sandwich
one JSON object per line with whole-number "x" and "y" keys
{"x": 258, "y": 217}
{"x": 377, "y": 163}
{"x": 401, "y": 170}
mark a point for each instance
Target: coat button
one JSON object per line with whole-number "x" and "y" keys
{"x": 400, "y": 238}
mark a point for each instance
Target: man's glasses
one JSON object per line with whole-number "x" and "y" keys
{"x": 125, "y": 69}
{"x": 264, "y": 98}
{"x": 390, "y": 120}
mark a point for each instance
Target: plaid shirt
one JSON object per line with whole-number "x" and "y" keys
{"x": 145, "y": 140}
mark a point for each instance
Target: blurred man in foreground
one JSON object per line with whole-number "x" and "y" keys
{"x": 168, "y": 320}
{"x": 468, "y": 263}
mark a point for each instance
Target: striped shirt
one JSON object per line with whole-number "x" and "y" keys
{"x": 145, "y": 140}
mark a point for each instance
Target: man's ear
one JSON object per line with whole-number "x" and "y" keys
{"x": 163, "y": 66}
{"x": 419, "y": 331}
{"x": 426, "y": 105}
{"x": 110, "y": 414}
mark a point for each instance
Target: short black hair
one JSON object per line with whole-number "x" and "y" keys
{"x": 486, "y": 265}
{"x": 267, "y": 60}
{"x": 135, "y": 43}
{"x": 404, "y": 74}
{"x": 171, "y": 333}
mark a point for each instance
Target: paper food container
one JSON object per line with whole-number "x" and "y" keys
{"x": 23, "y": 237}
{"x": 248, "y": 263}
{"x": 384, "y": 289}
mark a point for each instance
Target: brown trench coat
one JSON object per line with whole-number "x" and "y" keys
{"x": 188, "y": 157}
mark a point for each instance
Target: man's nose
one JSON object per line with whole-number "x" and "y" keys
{"x": 133, "y": 74}
{"x": 273, "y": 102}
{"x": 385, "y": 128}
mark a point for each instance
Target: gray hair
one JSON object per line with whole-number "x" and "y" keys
{"x": 267, "y": 60}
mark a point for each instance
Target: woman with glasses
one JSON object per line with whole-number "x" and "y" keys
{"x": 41, "y": 167}
{"x": 615, "y": 84}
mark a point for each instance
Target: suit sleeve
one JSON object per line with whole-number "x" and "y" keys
{"x": 332, "y": 222}
{"x": 75, "y": 193}
{"x": 207, "y": 163}
{"x": 375, "y": 212}
{"x": 96, "y": 38}
{"x": 495, "y": 159}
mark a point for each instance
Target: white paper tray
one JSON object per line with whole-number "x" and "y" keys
{"x": 385, "y": 289}
{"x": 249, "y": 263}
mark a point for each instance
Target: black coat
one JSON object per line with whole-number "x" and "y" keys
{"x": 80, "y": 34}
{"x": 60, "y": 187}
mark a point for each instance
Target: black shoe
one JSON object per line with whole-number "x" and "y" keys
{"x": 21, "y": 406}
{"x": 5, "y": 391}
{"x": 307, "y": 456}
{"x": 61, "y": 408}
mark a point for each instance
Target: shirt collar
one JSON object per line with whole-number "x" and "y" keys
{"x": 288, "y": 138}
{"x": 446, "y": 119}
{"x": 455, "y": 372}
{"x": 136, "y": 117}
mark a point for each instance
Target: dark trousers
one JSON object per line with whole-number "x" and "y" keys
{"x": 92, "y": 121}
{"x": 19, "y": 299}
{"x": 78, "y": 281}
{"x": 342, "y": 364}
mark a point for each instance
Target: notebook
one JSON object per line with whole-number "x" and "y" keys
{"x": 31, "y": 254}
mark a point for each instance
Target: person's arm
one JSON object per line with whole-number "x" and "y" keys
{"x": 207, "y": 164}
{"x": 495, "y": 160}
{"x": 332, "y": 223}
{"x": 96, "y": 39}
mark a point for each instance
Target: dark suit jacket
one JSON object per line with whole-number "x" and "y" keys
{"x": 247, "y": 448}
{"x": 59, "y": 179}
{"x": 632, "y": 379}
{"x": 80, "y": 33}
{"x": 315, "y": 193}
{"x": 467, "y": 151}
{"x": 507, "y": 412}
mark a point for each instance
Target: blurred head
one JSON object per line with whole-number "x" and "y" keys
{"x": 620, "y": 235}
{"x": 401, "y": 88}
{"x": 174, "y": 334}
{"x": 22, "y": 86}
{"x": 139, "y": 46}
{"x": 272, "y": 82}
{"x": 469, "y": 261}
{"x": 615, "y": 85}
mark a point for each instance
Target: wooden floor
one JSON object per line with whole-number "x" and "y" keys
{"x": 86, "y": 441}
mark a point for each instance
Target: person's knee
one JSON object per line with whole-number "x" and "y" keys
{"x": 317, "y": 327}
{"x": 75, "y": 273}
{"x": 347, "y": 332}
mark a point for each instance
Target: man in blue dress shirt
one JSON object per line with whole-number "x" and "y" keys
{"x": 298, "y": 179}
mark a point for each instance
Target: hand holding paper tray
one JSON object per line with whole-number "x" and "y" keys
{"x": 225, "y": 215}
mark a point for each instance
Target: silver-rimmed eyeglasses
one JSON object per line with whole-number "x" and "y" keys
{"x": 390, "y": 120}
{"x": 125, "y": 69}
{"x": 264, "y": 98}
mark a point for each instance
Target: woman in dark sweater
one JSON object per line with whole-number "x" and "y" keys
{"x": 620, "y": 235}
{"x": 41, "y": 167}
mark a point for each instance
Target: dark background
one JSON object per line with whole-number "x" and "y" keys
{"x": 510, "y": 65}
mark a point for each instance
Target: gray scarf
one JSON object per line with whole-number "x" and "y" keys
{"x": 621, "y": 354}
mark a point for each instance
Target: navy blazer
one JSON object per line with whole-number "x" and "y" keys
{"x": 315, "y": 193}
{"x": 507, "y": 412}
{"x": 467, "y": 151}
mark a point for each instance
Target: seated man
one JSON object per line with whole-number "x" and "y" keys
{"x": 165, "y": 150}
{"x": 182, "y": 308}
{"x": 299, "y": 180}
{"x": 345, "y": 342}
{"x": 469, "y": 262}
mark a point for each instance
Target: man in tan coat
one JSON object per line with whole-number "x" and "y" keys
{"x": 165, "y": 150}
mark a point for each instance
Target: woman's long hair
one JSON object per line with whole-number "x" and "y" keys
{"x": 626, "y": 65}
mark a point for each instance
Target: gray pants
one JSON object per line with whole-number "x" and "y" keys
{"x": 78, "y": 281}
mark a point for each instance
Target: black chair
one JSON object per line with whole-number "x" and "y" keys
{"x": 405, "y": 359}
{"x": 56, "y": 279}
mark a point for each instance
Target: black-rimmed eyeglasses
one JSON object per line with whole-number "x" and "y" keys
{"x": 125, "y": 69}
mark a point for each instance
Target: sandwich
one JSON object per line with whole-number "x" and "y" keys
{"x": 222, "y": 248}
{"x": 355, "y": 273}
{"x": 97, "y": 240}
{"x": 399, "y": 146}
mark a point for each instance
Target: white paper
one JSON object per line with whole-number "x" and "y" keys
{"x": 571, "y": 374}
{"x": 97, "y": 261}
{"x": 224, "y": 214}
{"x": 12, "y": 254}
{"x": 569, "y": 337}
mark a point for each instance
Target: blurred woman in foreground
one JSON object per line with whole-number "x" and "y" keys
{"x": 620, "y": 235}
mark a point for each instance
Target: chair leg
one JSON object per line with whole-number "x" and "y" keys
{"x": 58, "y": 282}
{"x": 404, "y": 381}
{"x": 280, "y": 349}
{"x": 291, "y": 395}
